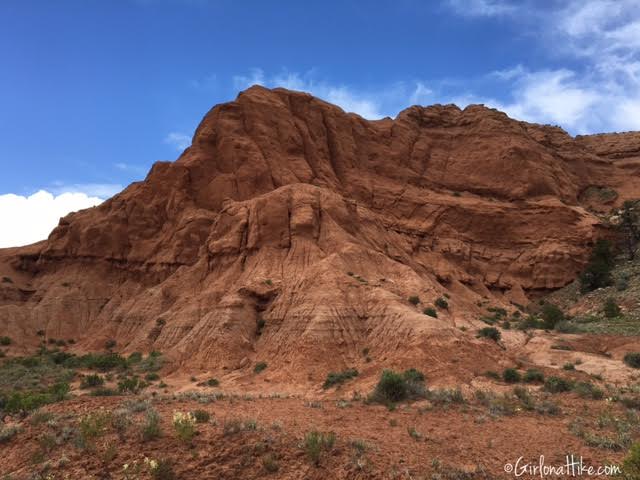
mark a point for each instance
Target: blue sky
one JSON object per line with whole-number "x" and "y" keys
{"x": 93, "y": 92}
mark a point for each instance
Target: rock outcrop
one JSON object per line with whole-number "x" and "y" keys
{"x": 293, "y": 232}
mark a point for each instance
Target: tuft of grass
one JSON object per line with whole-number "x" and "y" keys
{"x": 490, "y": 332}
{"x": 430, "y": 311}
{"x": 316, "y": 443}
{"x": 259, "y": 367}
{"x": 150, "y": 428}
{"x": 632, "y": 359}
{"x": 557, "y": 385}
{"x": 442, "y": 303}
{"x": 511, "y": 375}
{"x": 337, "y": 378}
{"x": 201, "y": 416}
{"x": 533, "y": 376}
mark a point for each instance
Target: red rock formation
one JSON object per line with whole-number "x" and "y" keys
{"x": 288, "y": 210}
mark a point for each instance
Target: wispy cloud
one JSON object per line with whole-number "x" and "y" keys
{"x": 370, "y": 103}
{"x": 599, "y": 89}
{"x": 178, "y": 139}
{"x": 101, "y": 190}
{"x": 130, "y": 168}
{"x": 488, "y": 8}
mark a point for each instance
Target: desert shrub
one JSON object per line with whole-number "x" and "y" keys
{"x": 490, "y": 332}
{"x": 566, "y": 327}
{"x": 511, "y": 375}
{"x": 431, "y": 312}
{"x": 104, "y": 392}
{"x": 632, "y": 359}
{"x": 622, "y": 283}
{"x": 569, "y": 366}
{"x": 5, "y": 341}
{"x": 631, "y": 463}
{"x": 102, "y": 362}
{"x": 441, "y": 302}
{"x": 213, "y": 382}
{"x": 492, "y": 374}
{"x": 135, "y": 357}
{"x": 395, "y": 387}
{"x": 131, "y": 385}
{"x": 588, "y": 390}
{"x": 90, "y": 381}
{"x": 533, "y": 376}
{"x": 530, "y": 322}
{"x": 110, "y": 344}
{"x": 446, "y": 396}
{"x": 163, "y": 470}
{"x": 597, "y": 274}
{"x": 611, "y": 308}
{"x": 557, "y": 385}
{"x": 152, "y": 377}
{"x": 26, "y": 401}
{"x": 259, "y": 367}
{"x": 151, "y": 426}
{"x": 270, "y": 463}
{"x": 184, "y": 425}
{"x": 7, "y": 433}
{"x": 315, "y": 443}
{"x": 201, "y": 416}
{"x": 90, "y": 427}
{"x": 414, "y": 300}
{"x": 336, "y": 378}
{"x": 551, "y": 315}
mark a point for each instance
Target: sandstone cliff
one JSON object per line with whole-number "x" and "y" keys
{"x": 293, "y": 232}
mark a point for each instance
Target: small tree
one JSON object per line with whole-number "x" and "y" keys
{"x": 551, "y": 315}
{"x": 629, "y": 226}
{"x": 597, "y": 274}
{"x": 611, "y": 308}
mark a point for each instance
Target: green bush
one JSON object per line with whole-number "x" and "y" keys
{"x": 490, "y": 332}
{"x": 90, "y": 381}
{"x": 260, "y": 366}
{"x": 557, "y": 385}
{"x": 442, "y": 303}
{"x": 431, "y": 312}
{"x": 511, "y": 375}
{"x": 335, "y": 378}
{"x": 551, "y": 315}
{"x": 152, "y": 377}
{"x": 131, "y": 385}
{"x": 315, "y": 443}
{"x": 533, "y": 376}
{"x": 632, "y": 359}
{"x": 631, "y": 463}
{"x": 414, "y": 299}
{"x": 588, "y": 390}
{"x": 5, "y": 341}
{"x": 597, "y": 274}
{"x": 163, "y": 471}
{"x": 395, "y": 387}
{"x": 7, "y": 433}
{"x": 611, "y": 308}
{"x": 213, "y": 382}
{"x": 201, "y": 416}
{"x": 151, "y": 427}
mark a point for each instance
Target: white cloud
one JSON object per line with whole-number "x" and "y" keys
{"x": 30, "y": 219}
{"x": 485, "y": 8}
{"x": 179, "y": 140}
{"x": 102, "y": 190}
{"x": 369, "y": 103}
{"x": 599, "y": 90}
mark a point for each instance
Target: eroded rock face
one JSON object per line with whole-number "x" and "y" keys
{"x": 288, "y": 211}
